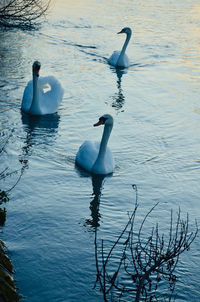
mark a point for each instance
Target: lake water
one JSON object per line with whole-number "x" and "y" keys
{"x": 49, "y": 230}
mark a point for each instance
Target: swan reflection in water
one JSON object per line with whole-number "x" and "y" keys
{"x": 94, "y": 221}
{"x": 118, "y": 98}
{"x": 97, "y": 185}
{"x": 38, "y": 129}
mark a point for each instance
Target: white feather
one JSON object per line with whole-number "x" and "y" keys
{"x": 90, "y": 158}
{"x": 50, "y": 94}
{"x": 120, "y": 58}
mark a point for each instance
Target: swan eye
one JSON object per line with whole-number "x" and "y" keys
{"x": 102, "y": 119}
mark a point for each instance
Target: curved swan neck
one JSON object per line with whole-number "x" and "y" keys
{"x": 35, "y": 105}
{"x": 104, "y": 141}
{"x": 124, "y": 47}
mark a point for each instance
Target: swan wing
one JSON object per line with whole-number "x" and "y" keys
{"x": 114, "y": 58}
{"x": 50, "y": 99}
{"x": 27, "y": 97}
{"x": 124, "y": 61}
{"x": 87, "y": 155}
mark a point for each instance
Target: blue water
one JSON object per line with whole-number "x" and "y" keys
{"x": 155, "y": 139}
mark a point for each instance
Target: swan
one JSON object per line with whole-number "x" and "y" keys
{"x": 119, "y": 58}
{"x": 35, "y": 100}
{"x": 96, "y": 157}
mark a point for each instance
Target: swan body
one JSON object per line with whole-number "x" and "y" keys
{"x": 120, "y": 58}
{"x": 35, "y": 100}
{"x": 96, "y": 157}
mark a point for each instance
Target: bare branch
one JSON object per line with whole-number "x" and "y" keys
{"x": 22, "y": 13}
{"x": 146, "y": 262}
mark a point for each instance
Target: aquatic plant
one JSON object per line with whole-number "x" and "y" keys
{"x": 22, "y": 13}
{"x": 144, "y": 262}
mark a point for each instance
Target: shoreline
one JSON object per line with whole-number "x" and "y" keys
{"x": 8, "y": 289}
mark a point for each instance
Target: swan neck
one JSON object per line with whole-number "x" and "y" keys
{"x": 124, "y": 47}
{"x": 104, "y": 141}
{"x": 35, "y": 105}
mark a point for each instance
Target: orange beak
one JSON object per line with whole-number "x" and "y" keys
{"x": 98, "y": 123}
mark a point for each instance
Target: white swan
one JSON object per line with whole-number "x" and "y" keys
{"x": 119, "y": 58}
{"x": 96, "y": 157}
{"x": 35, "y": 100}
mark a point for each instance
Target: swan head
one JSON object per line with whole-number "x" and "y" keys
{"x": 36, "y": 68}
{"x": 125, "y": 30}
{"x": 105, "y": 119}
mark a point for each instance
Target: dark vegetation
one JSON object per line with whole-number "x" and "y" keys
{"x": 23, "y": 14}
{"x": 6, "y": 171}
{"x": 8, "y": 290}
{"x": 142, "y": 261}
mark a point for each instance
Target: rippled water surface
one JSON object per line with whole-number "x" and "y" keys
{"x": 155, "y": 142}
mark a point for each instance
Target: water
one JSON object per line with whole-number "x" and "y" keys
{"x": 155, "y": 140}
